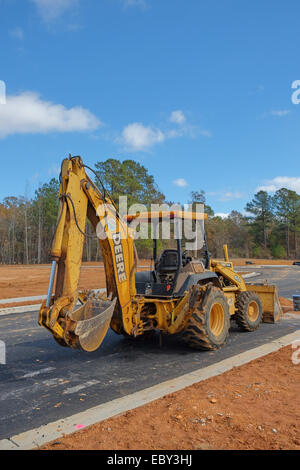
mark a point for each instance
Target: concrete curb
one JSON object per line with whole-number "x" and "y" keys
{"x": 25, "y": 308}
{"x": 271, "y": 266}
{"x": 22, "y": 299}
{"x": 52, "y": 431}
{"x": 21, "y": 309}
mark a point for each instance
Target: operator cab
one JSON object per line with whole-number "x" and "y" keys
{"x": 172, "y": 269}
{"x": 169, "y": 263}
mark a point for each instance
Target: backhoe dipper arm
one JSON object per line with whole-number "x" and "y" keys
{"x": 86, "y": 327}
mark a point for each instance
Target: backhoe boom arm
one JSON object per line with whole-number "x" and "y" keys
{"x": 80, "y": 200}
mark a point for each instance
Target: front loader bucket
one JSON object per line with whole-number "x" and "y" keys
{"x": 91, "y": 322}
{"x": 272, "y": 310}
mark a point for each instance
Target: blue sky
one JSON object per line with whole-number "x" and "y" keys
{"x": 197, "y": 91}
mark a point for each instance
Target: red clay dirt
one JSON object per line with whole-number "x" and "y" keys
{"x": 32, "y": 280}
{"x": 287, "y": 306}
{"x": 255, "y": 406}
{"x": 24, "y": 281}
{"x": 259, "y": 262}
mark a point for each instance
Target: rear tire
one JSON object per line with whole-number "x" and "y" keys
{"x": 208, "y": 327}
{"x": 249, "y": 313}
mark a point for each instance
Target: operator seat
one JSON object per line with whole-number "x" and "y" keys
{"x": 168, "y": 262}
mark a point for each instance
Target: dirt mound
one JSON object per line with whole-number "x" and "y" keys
{"x": 287, "y": 305}
{"x": 286, "y": 302}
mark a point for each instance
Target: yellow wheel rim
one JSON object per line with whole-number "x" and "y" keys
{"x": 217, "y": 319}
{"x": 253, "y": 311}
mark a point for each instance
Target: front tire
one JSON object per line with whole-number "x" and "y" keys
{"x": 249, "y": 313}
{"x": 208, "y": 327}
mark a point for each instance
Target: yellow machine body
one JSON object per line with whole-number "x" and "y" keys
{"x": 267, "y": 293}
{"x": 81, "y": 319}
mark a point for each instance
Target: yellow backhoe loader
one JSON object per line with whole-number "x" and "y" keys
{"x": 192, "y": 298}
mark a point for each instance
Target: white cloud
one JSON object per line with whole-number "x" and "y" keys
{"x": 226, "y": 195}
{"x": 189, "y": 131}
{"x": 180, "y": 182}
{"x": 28, "y": 114}
{"x": 222, "y": 215}
{"x": 276, "y": 113}
{"x": 279, "y": 182}
{"x": 184, "y": 128}
{"x": 136, "y": 136}
{"x": 17, "y": 33}
{"x": 51, "y": 9}
{"x": 280, "y": 112}
{"x": 177, "y": 117}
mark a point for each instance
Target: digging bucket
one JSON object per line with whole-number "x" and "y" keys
{"x": 91, "y": 321}
{"x": 272, "y": 310}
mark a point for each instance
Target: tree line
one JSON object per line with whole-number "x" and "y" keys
{"x": 269, "y": 227}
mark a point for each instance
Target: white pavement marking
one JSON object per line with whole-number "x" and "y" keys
{"x": 76, "y": 389}
{"x": 19, "y": 393}
{"x": 49, "y": 432}
{"x": 38, "y": 372}
{"x": 249, "y": 275}
{"x": 50, "y": 382}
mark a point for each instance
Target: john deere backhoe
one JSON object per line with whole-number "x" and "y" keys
{"x": 194, "y": 299}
